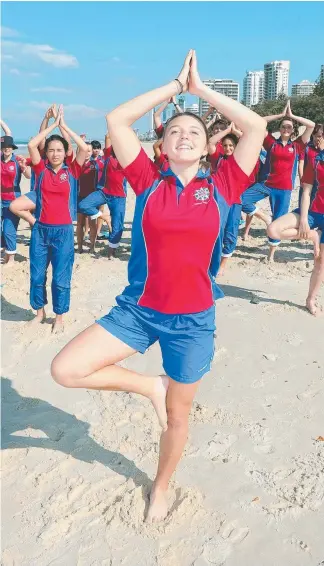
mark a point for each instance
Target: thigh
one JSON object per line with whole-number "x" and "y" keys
{"x": 90, "y": 351}
{"x": 62, "y": 253}
{"x": 39, "y": 251}
{"x": 290, "y": 220}
{"x": 279, "y": 202}
{"x": 255, "y": 193}
{"x": 188, "y": 348}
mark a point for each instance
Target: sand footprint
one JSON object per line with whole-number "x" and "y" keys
{"x": 219, "y": 548}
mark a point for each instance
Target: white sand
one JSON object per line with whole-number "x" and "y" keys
{"x": 78, "y": 464}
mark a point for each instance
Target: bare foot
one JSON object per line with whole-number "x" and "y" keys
{"x": 58, "y": 327}
{"x": 111, "y": 252}
{"x": 311, "y": 306}
{"x": 221, "y": 272}
{"x": 38, "y": 319}
{"x": 158, "y": 508}
{"x": 158, "y": 397}
{"x": 9, "y": 260}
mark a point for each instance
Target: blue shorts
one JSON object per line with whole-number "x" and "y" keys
{"x": 186, "y": 340}
{"x": 315, "y": 220}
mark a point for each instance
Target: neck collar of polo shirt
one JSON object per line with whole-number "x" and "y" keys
{"x": 49, "y": 166}
{"x": 200, "y": 175}
{"x": 12, "y": 158}
{"x": 320, "y": 156}
{"x": 280, "y": 140}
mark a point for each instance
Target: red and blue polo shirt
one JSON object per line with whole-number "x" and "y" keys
{"x": 90, "y": 173}
{"x": 213, "y": 158}
{"x": 177, "y": 235}
{"x": 112, "y": 181}
{"x": 282, "y": 161}
{"x": 10, "y": 179}
{"x": 56, "y": 193}
{"x": 314, "y": 174}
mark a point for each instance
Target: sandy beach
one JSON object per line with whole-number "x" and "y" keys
{"x": 78, "y": 464}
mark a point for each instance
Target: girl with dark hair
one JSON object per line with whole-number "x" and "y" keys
{"x": 52, "y": 237}
{"x": 176, "y": 245}
{"x": 111, "y": 190}
{"x": 311, "y": 152}
{"x": 91, "y": 171}
{"x": 283, "y": 155}
{"x": 307, "y": 222}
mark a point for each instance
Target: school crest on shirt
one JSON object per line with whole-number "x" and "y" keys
{"x": 202, "y": 194}
{"x": 291, "y": 149}
{"x": 11, "y": 167}
{"x": 63, "y": 177}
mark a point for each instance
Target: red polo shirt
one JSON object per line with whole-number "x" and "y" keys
{"x": 90, "y": 173}
{"x": 10, "y": 179}
{"x": 213, "y": 158}
{"x": 177, "y": 234}
{"x": 314, "y": 173}
{"x": 112, "y": 181}
{"x": 56, "y": 193}
{"x": 282, "y": 162}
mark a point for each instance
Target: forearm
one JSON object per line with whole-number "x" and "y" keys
{"x": 273, "y": 117}
{"x": 178, "y": 109}
{"x": 304, "y": 121}
{"x": 43, "y": 127}
{"x": 211, "y": 122}
{"x": 207, "y": 114}
{"x": 35, "y": 142}
{"x": 157, "y": 114}
{"x": 245, "y": 118}
{"x": 68, "y": 139}
{"x": 27, "y": 173}
{"x": 82, "y": 146}
{"x": 5, "y": 128}
{"x": 305, "y": 201}
{"x": 219, "y": 136}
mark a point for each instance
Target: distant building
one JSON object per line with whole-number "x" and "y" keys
{"x": 304, "y": 88}
{"x": 276, "y": 78}
{"x": 253, "y": 87}
{"x": 228, "y": 87}
{"x": 194, "y": 108}
{"x": 322, "y": 73}
{"x": 181, "y": 102}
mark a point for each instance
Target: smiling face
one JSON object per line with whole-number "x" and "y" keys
{"x": 286, "y": 129}
{"x": 317, "y": 138}
{"x": 228, "y": 146}
{"x": 55, "y": 153}
{"x": 7, "y": 152}
{"x": 185, "y": 140}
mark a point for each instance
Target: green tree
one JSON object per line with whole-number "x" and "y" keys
{"x": 311, "y": 107}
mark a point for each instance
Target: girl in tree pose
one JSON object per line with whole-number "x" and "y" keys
{"x": 283, "y": 155}
{"x": 176, "y": 247}
{"x": 52, "y": 237}
{"x": 307, "y": 222}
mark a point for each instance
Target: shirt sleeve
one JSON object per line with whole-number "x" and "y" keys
{"x": 142, "y": 173}
{"x": 309, "y": 174}
{"x": 69, "y": 159}
{"x": 39, "y": 167}
{"x": 107, "y": 152}
{"x": 75, "y": 169}
{"x": 230, "y": 180}
{"x": 301, "y": 146}
{"x": 159, "y": 131}
{"x": 268, "y": 141}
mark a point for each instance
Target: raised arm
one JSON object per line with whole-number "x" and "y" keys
{"x": 157, "y": 148}
{"x": 125, "y": 142}
{"x": 157, "y": 114}
{"x": 213, "y": 141}
{"x": 64, "y": 133}
{"x": 176, "y": 105}
{"x": 207, "y": 114}
{"x": 251, "y": 124}
{"x": 310, "y": 125}
{"x": 35, "y": 142}
{"x": 81, "y": 145}
{"x": 274, "y": 117}
{"x": 44, "y": 125}
{"x": 5, "y": 128}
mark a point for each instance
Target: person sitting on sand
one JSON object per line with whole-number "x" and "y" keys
{"x": 176, "y": 246}
{"x": 307, "y": 223}
{"x": 282, "y": 158}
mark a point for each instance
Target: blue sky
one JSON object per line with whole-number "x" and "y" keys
{"x": 91, "y": 56}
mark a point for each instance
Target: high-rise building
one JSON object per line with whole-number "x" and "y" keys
{"x": 181, "y": 102}
{"x": 322, "y": 73}
{"x": 304, "y": 88}
{"x": 253, "y": 87}
{"x": 193, "y": 108}
{"x": 276, "y": 78}
{"x": 167, "y": 113}
{"x": 225, "y": 86}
